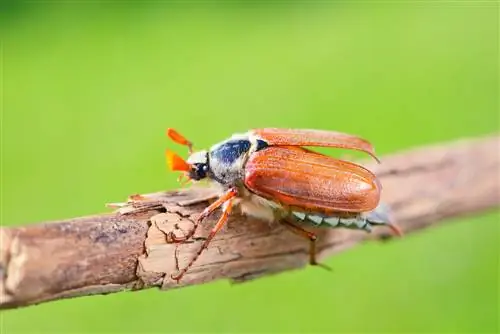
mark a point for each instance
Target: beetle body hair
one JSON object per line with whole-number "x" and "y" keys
{"x": 227, "y": 159}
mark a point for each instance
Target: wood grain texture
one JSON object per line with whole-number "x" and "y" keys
{"x": 128, "y": 250}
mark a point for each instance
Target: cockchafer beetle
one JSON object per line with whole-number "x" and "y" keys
{"x": 271, "y": 176}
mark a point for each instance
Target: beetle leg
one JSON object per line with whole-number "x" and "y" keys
{"x": 222, "y": 221}
{"x": 136, "y": 197}
{"x": 183, "y": 179}
{"x": 312, "y": 242}
{"x": 209, "y": 210}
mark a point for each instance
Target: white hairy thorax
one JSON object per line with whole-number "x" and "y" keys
{"x": 253, "y": 205}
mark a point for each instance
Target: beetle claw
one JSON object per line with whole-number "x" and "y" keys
{"x": 322, "y": 265}
{"x": 183, "y": 179}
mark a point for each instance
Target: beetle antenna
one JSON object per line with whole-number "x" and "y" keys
{"x": 176, "y": 163}
{"x": 180, "y": 139}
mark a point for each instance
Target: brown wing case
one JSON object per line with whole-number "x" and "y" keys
{"x": 306, "y": 137}
{"x": 311, "y": 181}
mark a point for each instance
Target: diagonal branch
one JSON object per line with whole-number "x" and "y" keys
{"x": 127, "y": 250}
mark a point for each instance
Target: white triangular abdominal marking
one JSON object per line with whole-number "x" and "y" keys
{"x": 364, "y": 221}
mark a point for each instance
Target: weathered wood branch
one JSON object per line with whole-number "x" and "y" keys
{"x": 127, "y": 251}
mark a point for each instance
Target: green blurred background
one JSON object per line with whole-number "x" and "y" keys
{"x": 89, "y": 89}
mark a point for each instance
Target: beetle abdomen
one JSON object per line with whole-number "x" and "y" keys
{"x": 362, "y": 221}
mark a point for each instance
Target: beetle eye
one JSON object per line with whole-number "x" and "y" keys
{"x": 202, "y": 170}
{"x": 199, "y": 171}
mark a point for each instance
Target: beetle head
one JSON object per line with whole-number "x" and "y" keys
{"x": 199, "y": 165}
{"x": 196, "y": 167}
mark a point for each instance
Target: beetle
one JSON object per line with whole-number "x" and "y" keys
{"x": 271, "y": 175}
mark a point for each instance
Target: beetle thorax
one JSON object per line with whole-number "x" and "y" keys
{"x": 227, "y": 161}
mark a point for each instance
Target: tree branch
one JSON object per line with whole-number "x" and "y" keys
{"x": 127, "y": 250}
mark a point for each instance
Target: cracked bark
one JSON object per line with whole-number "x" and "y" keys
{"x": 127, "y": 250}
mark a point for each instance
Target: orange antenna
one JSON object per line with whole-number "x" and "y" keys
{"x": 179, "y": 139}
{"x": 176, "y": 163}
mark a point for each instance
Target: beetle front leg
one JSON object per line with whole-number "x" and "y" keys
{"x": 312, "y": 242}
{"x": 208, "y": 211}
{"x": 222, "y": 221}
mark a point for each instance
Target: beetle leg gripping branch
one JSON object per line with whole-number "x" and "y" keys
{"x": 228, "y": 204}
{"x": 312, "y": 242}
{"x": 208, "y": 211}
